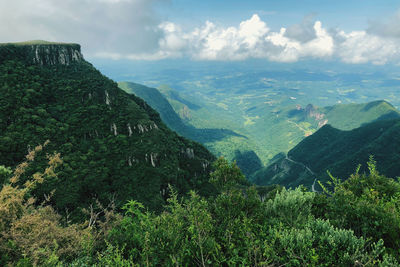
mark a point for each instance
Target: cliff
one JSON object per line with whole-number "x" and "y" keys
{"x": 113, "y": 145}
{"x": 42, "y": 53}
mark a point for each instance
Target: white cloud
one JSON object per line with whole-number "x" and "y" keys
{"x": 282, "y": 48}
{"x": 303, "y": 31}
{"x": 251, "y": 39}
{"x": 360, "y": 47}
{"x": 131, "y": 29}
{"x": 254, "y": 39}
{"x": 321, "y": 46}
{"x": 100, "y": 26}
{"x": 252, "y": 30}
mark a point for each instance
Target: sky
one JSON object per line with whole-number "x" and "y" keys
{"x": 351, "y": 31}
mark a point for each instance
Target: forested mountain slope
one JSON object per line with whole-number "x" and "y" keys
{"x": 112, "y": 143}
{"x": 275, "y": 130}
{"x": 157, "y": 101}
{"x": 338, "y": 151}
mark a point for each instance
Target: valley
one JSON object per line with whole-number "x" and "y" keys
{"x": 103, "y": 174}
{"x": 261, "y": 113}
{"x": 199, "y": 133}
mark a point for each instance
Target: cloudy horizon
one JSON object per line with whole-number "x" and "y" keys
{"x": 137, "y": 30}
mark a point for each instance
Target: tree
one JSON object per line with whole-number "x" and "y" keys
{"x": 31, "y": 233}
{"x": 366, "y": 203}
{"x": 4, "y": 174}
{"x": 226, "y": 175}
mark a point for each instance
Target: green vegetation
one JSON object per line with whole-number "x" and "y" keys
{"x": 115, "y": 187}
{"x": 351, "y": 116}
{"x": 338, "y": 151}
{"x": 113, "y": 144}
{"x": 366, "y": 203}
{"x": 157, "y": 101}
{"x": 4, "y": 174}
{"x": 258, "y": 124}
{"x": 219, "y": 141}
{"x": 355, "y": 224}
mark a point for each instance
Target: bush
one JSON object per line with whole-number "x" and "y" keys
{"x": 34, "y": 235}
{"x": 368, "y": 204}
{"x": 290, "y": 207}
{"x": 320, "y": 244}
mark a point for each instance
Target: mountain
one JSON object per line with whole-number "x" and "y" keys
{"x": 338, "y": 151}
{"x": 350, "y": 116}
{"x": 246, "y": 160}
{"x": 113, "y": 144}
{"x": 254, "y": 98}
{"x": 269, "y": 129}
{"x": 157, "y": 101}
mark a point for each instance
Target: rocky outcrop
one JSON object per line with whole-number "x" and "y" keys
{"x": 44, "y": 54}
{"x": 184, "y": 113}
{"x": 188, "y": 152}
{"x": 55, "y": 54}
{"x": 312, "y": 112}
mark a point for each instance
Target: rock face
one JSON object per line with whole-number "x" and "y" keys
{"x": 312, "y": 112}
{"x": 113, "y": 144}
{"x": 44, "y": 54}
{"x": 55, "y": 54}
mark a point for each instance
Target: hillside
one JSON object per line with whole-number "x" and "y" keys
{"x": 338, "y": 151}
{"x": 248, "y": 161}
{"x": 112, "y": 143}
{"x": 350, "y": 116}
{"x": 115, "y": 146}
{"x": 259, "y": 101}
{"x": 157, "y": 101}
{"x": 267, "y": 128}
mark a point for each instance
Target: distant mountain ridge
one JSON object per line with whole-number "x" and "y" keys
{"x": 283, "y": 129}
{"x": 157, "y": 101}
{"x": 345, "y": 116}
{"x": 338, "y": 151}
{"x": 113, "y": 144}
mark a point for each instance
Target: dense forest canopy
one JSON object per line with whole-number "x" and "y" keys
{"x": 113, "y": 144}
{"x": 91, "y": 176}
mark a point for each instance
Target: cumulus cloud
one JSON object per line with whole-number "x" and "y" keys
{"x": 361, "y": 47}
{"x": 303, "y": 31}
{"x": 132, "y": 29}
{"x": 251, "y": 39}
{"x": 320, "y": 46}
{"x": 216, "y": 43}
{"x": 112, "y": 27}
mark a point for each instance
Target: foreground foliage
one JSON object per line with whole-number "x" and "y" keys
{"x": 369, "y": 204}
{"x": 355, "y": 224}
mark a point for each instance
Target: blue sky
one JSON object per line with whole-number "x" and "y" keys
{"x": 352, "y": 31}
{"x": 348, "y": 15}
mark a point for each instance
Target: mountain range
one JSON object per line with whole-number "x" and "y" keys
{"x": 113, "y": 144}
{"x": 339, "y": 152}
{"x": 95, "y": 173}
{"x": 280, "y": 129}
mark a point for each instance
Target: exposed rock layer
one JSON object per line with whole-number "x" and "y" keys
{"x": 44, "y": 54}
